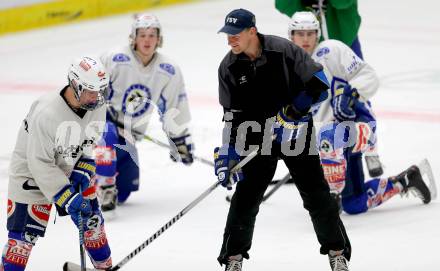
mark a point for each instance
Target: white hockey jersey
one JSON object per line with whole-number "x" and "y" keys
{"x": 342, "y": 66}
{"x": 137, "y": 91}
{"x": 50, "y": 141}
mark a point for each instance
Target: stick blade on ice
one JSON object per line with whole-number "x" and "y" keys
{"x": 69, "y": 266}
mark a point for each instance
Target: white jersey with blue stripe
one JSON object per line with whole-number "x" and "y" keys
{"x": 137, "y": 91}
{"x": 342, "y": 66}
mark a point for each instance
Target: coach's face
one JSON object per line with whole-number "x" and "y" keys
{"x": 240, "y": 42}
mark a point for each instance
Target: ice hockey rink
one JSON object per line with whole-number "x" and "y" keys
{"x": 400, "y": 39}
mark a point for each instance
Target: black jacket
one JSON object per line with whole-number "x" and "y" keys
{"x": 257, "y": 90}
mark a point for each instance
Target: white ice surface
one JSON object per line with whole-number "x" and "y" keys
{"x": 400, "y": 39}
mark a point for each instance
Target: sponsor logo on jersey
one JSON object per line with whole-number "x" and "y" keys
{"x": 11, "y": 207}
{"x": 104, "y": 155}
{"x": 353, "y": 65}
{"x": 168, "y": 68}
{"x": 30, "y": 185}
{"x": 363, "y": 132}
{"x": 242, "y": 80}
{"x": 86, "y": 66}
{"x": 136, "y": 100}
{"x": 40, "y": 213}
{"x": 335, "y": 174}
{"x": 17, "y": 253}
{"x": 95, "y": 239}
{"x": 322, "y": 51}
{"x": 121, "y": 58}
{"x": 73, "y": 151}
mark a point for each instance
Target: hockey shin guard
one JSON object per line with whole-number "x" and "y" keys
{"x": 16, "y": 252}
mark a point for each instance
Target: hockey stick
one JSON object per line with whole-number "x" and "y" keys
{"x": 276, "y": 182}
{"x": 69, "y": 266}
{"x": 323, "y": 20}
{"x": 276, "y": 187}
{"x": 162, "y": 144}
{"x": 81, "y": 238}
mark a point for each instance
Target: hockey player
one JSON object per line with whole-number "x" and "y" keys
{"x": 261, "y": 79}
{"x": 346, "y": 117}
{"x": 141, "y": 80}
{"x": 52, "y": 164}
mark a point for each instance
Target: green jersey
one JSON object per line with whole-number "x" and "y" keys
{"x": 342, "y": 17}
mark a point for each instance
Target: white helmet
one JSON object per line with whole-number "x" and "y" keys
{"x": 304, "y": 20}
{"x": 145, "y": 20}
{"x": 86, "y": 73}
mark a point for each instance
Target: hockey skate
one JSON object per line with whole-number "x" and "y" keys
{"x": 374, "y": 165}
{"x": 337, "y": 261}
{"x": 234, "y": 263}
{"x": 107, "y": 195}
{"x": 412, "y": 181}
{"x": 338, "y": 198}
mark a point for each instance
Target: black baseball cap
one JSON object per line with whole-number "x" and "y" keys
{"x": 238, "y": 20}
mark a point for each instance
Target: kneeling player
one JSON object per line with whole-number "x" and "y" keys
{"x": 338, "y": 139}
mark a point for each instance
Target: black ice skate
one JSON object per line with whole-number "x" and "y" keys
{"x": 337, "y": 261}
{"x": 234, "y": 263}
{"x": 338, "y": 198}
{"x": 412, "y": 180}
{"x": 107, "y": 195}
{"x": 374, "y": 165}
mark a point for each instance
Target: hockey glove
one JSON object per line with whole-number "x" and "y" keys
{"x": 68, "y": 200}
{"x": 185, "y": 149}
{"x": 289, "y": 124}
{"x": 82, "y": 177}
{"x": 225, "y": 159}
{"x": 344, "y": 103}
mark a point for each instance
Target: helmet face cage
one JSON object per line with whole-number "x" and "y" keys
{"x": 87, "y": 74}
{"x": 304, "y": 20}
{"x": 145, "y": 21}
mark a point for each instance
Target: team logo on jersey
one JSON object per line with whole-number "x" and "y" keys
{"x": 322, "y": 51}
{"x": 326, "y": 146}
{"x": 168, "y": 68}
{"x": 136, "y": 100}
{"x": 121, "y": 58}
